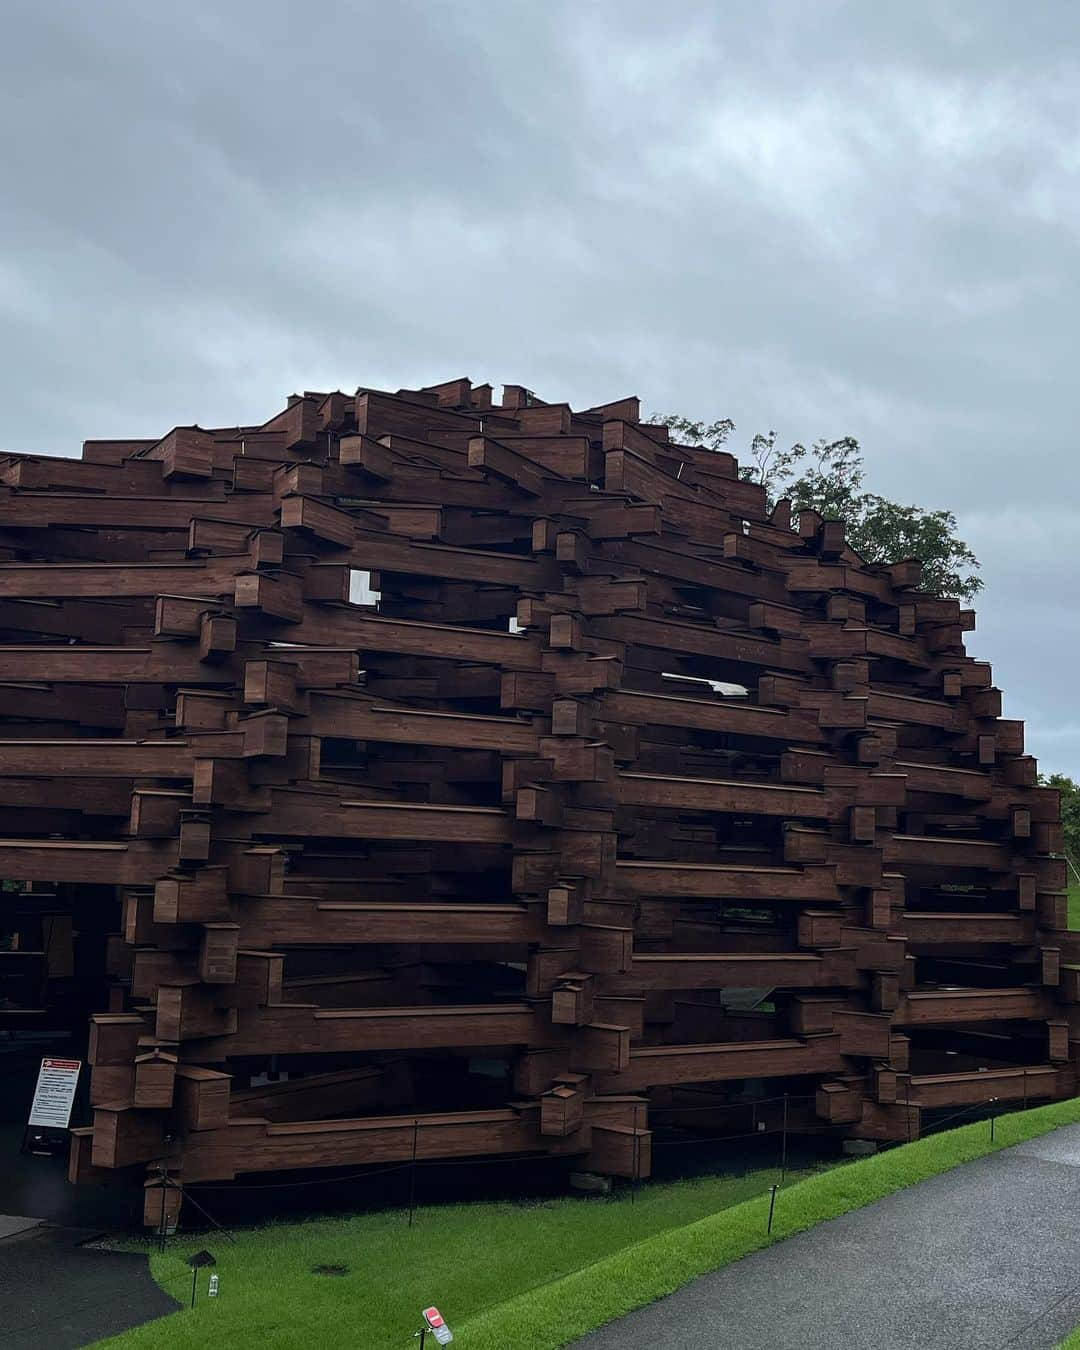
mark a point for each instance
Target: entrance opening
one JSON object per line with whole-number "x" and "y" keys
{"x": 55, "y": 955}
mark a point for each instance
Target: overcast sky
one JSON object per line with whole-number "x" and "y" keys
{"x": 823, "y": 218}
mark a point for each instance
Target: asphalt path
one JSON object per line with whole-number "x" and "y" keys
{"x": 56, "y": 1294}
{"x": 987, "y": 1256}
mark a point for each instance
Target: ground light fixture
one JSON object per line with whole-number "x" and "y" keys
{"x": 197, "y": 1261}
{"x": 436, "y": 1324}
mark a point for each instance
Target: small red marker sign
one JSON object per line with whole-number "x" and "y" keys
{"x": 435, "y": 1320}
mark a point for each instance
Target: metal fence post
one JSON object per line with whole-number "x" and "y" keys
{"x": 161, "y": 1225}
{"x": 412, "y": 1171}
{"x": 637, "y": 1166}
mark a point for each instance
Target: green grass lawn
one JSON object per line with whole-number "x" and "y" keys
{"x": 466, "y": 1258}
{"x": 532, "y": 1275}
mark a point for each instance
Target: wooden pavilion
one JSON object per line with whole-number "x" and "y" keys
{"x": 421, "y": 773}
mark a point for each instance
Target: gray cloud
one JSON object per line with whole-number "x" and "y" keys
{"x": 826, "y": 219}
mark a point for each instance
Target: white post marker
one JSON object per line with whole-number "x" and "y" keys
{"x": 55, "y": 1093}
{"x": 437, "y": 1323}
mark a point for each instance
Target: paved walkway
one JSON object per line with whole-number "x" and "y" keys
{"x": 58, "y": 1295}
{"x": 985, "y": 1256}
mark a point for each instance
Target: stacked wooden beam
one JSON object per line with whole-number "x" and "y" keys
{"x": 481, "y": 779}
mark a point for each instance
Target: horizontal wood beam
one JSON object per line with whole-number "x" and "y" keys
{"x": 671, "y": 1065}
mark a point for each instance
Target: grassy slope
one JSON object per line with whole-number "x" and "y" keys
{"x": 534, "y": 1276}
{"x": 465, "y": 1257}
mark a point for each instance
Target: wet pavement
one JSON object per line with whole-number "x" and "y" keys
{"x": 987, "y": 1255}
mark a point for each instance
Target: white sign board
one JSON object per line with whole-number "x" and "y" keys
{"x": 55, "y": 1093}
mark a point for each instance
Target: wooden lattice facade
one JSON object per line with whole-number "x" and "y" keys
{"x": 510, "y": 770}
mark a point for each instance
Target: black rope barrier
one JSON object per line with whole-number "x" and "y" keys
{"x": 764, "y": 1128}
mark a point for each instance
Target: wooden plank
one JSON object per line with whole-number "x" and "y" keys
{"x": 702, "y": 794}
{"x": 716, "y": 881}
{"x": 934, "y": 1007}
{"x": 304, "y": 920}
{"x": 653, "y": 1066}
{"x": 310, "y": 1030}
{"x": 720, "y": 715}
{"x": 366, "y": 719}
{"x": 743, "y": 970}
{"x": 963, "y": 929}
{"x": 159, "y": 663}
{"x": 378, "y": 1140}
{"x": 213, "y": 576}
